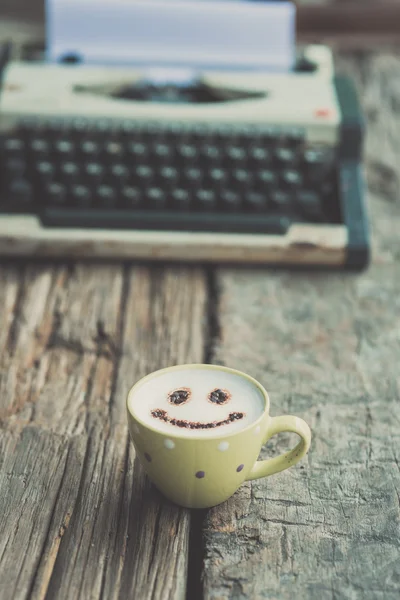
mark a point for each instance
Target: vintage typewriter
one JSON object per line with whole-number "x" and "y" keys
{"x": 189, "y": 156}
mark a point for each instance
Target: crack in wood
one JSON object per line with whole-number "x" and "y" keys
{"x": 194, "y": 588}
{"x": 155, "y": 538}
{"x": 117, "y": 352}
{"x": 121, "y": 529}
{"x": 284, "y": 545}
{"x": 55, "y": 546}
{"x": 87, "y": 397}
{"x": 105, "y": 345}
{"x": 17, "y": 315}
{"x": 213, "y": 328}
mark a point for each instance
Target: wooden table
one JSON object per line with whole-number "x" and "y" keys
{"x": 79, "y": 520}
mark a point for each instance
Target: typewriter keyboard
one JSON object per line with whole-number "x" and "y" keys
{"x": 83, "y": 173}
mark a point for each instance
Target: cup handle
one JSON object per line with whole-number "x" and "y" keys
{"x": 264, "y": 468}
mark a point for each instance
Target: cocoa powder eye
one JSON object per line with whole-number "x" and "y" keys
{"x": 179, "y": 396}
{"x": 219, "y": 397}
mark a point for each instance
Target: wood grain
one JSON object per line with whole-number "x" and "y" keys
{"x": 78, "y": 519}
{"x": 353, "y": 16}
{"x": 326, "y": 347}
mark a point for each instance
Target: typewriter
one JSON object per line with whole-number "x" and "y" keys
{"x": 146, "y": 157}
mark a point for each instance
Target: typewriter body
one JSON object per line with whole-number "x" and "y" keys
{"x": 234, "y": 166}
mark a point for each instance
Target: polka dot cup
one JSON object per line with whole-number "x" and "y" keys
{"x": 201, "y": 472}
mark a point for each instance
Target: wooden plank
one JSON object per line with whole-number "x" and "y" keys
{"x": 326, "y": 347}
{"x": 353, "y": 16}
{"x": 313, "y": 16}
{"x": 78, "y": 518}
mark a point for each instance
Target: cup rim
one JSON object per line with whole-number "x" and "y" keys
{"x": 188, "y": 366}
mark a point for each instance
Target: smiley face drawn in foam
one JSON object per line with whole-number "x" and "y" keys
{"x": 180, "y": 396}
{"x": 198, "y": 402}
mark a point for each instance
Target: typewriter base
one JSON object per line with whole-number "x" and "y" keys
{"x": 322, "y": 245}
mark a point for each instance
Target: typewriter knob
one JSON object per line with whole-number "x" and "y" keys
{"x": 292, "y": 179}
{"x": 231, "y": 200}
{"x": 138, "y": 150}
{"x": 45, "y": 172}
{"x": 242, "y": 177}
{"x": 218, "y": 176}
{"x": 119, "y": 173}
{"x": 94, "y": 173}
{"x": 266, "y": 179}
{"x": 206, "y": 199}
{"x": 281, "y": 201}
{"x": 256, "y": 201}
{"x": 56, "y": 194}
{"x": 237, "y": 154}
{"x": 156, "y": 198}
{"x": 39, "y": 147}
{"x": 310, "y": 204}
{"x": 90, "y": 148}
{"x": 144, "y": 173}
{"x": 193, "y": 176}
{"x": 69, "y": 172}
{"x": 285, "y": 156}
{"x": 169, "y": 175}
{"x": 188, "y": 152}
{"x": 131, "y": 196}
{"x": 81, "y": 196}
{"x": 106, "y": 195}
{"x": 162, "y": 152}
{"x": 64, "y": 148}
{"x": 211, "y": 152}
{"x": 260, "y": 155}
{"x": 13, "y": 148}
{"x": 181, "y": 199}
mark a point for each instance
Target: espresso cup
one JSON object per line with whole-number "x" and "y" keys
{"x": 198, "y": 431}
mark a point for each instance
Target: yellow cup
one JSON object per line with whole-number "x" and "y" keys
{"x": 201, "y": 472}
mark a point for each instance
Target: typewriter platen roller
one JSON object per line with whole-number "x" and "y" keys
{"x": 223, "y": 166}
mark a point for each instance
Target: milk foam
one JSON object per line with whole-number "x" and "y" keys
{"x": 202, "y": 397}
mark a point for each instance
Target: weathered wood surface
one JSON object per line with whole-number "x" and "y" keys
{"x": 77, "y": 517}
{"x": 327, "y": 348}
